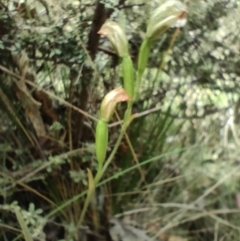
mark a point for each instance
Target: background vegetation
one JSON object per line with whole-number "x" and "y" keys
{"x": 176, "y": 173}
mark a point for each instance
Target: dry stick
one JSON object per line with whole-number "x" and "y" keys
{"x": 216, "y": 228}
{"x": 6, "y": 101}
{"x": 161, "y": 182}
{"x": 173, "y": 39}
{"x": 50, "y": 94}
{"x": 133, "y": 153}
{"x": 212, "y": 214}
{"x": 28, "y": 188}
{"x": 143, "y": 179}
{"x": 177, "y": 220}
{"x": 147, "y": 186}
{"x": 69, "y": 115}
{"x": 49, "y": 163}
{"x": 137, "y": 115}
{"x": 204, "y": 213}
{"x": 10, "y": 228}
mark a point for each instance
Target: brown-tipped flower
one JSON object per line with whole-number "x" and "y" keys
{"x": 165, "y": 16}
{"x": 116, "y": 36}
{"x": 110, "y": 101}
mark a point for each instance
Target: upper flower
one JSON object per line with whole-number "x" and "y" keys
{"x": 116, "y": 36}
{"x": 165, "y": 16}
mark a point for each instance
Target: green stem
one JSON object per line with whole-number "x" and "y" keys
{"x": 90, "y": 192}
{"x": 142, "y": 62}
{"x": 128, "y": 75}
{"x": 98, "y": 175}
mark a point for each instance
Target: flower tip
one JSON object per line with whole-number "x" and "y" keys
{"x": 110, "y": 101}
{"x": 116, "y": 36}
{"x": 101, "y": 32}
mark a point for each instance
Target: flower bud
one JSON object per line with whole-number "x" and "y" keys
{"x": 164, "y": 17}
{"x": 116, "y": 36}
{"x": 110, "y": 101}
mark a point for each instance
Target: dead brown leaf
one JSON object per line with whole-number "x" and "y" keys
{"x": 30, "y": 105}
{"x": 176, "y": 238}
